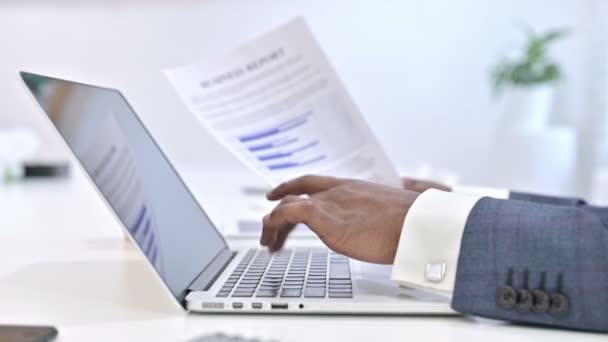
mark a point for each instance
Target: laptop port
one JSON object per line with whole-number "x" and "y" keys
{"x": 209, "y": 305}
{"x": 257, "y": 305}
{"x": 237, "y": 305}
{"x": 279, "y": 306}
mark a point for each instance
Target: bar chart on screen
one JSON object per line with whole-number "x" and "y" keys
{"x": 278, "y": 105}
{"x": 116, "y": 174}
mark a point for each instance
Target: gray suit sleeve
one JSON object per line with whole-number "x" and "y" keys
{"x": 536, "y": 263}
{"x": 565, "y": 201}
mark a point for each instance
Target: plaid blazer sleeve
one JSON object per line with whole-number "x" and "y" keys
{"x": 536, "y": 263}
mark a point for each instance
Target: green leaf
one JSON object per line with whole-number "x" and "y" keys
{"x": 534, "y": 66}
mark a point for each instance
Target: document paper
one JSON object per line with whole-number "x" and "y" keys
{"x": 279, "y": 106}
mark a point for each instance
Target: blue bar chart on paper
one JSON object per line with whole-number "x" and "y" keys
{"x": 281, "y": 148}
{"x": 278, "y": 105}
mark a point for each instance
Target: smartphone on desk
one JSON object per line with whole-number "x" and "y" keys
{"x": 27, "y": 333}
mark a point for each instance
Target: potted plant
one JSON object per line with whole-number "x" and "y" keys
{"x": 527, "y": 82}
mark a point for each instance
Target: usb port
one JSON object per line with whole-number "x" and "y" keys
{"x": 256, "y": 305}
{"x": 213, "y": 305}
{"x": 280, "y": 306}
{"x": 237, "y": 305}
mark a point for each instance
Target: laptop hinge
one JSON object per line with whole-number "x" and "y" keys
{"x": 204, "y": 281}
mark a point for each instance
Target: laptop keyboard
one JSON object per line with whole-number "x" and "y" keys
{"x": 307, "y": 273}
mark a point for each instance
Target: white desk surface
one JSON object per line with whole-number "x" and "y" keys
{"x": 64, "y": 261}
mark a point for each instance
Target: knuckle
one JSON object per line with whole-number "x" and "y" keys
{"x": 274, "y": 213}
{"x": 266, "y": 221}
{"x": 289, "y": 199}
{"x": 308, "y": 207}
{"x": 307, "y": 179}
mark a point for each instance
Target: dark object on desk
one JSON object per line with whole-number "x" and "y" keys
{"x": 45, "y": 170}
{"x": 23, "y": 333}
{"x": 225, "y": 338}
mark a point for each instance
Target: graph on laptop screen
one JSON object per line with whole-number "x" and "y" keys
{"x": 134, "y": 177}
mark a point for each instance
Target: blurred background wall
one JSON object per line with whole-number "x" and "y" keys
{"x": 419, "y": 70}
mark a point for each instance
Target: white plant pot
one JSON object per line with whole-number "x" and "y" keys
{"x": 526, "y": 109}
{"x": 541, "y": 162}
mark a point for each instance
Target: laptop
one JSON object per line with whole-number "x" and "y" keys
{"x": 182, "y": 245}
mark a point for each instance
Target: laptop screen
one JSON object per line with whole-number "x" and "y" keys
{"x": 134, "y": 176}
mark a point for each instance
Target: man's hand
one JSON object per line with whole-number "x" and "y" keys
{"x": 359, "y": 219}
{"x": 421, "y": 186}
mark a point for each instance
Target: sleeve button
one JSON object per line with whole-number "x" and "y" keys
{"x": 559, "y": 304}
{"x": 506, "y": 297}
{"x": 524, "y": 301}
{"x": 541, "y": 301}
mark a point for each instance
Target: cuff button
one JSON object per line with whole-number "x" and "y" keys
{"x": 524, "y": 301}
{"x": 559, "y": 304}
{"x": 506, "y": 297}
{"x": 541, "y": 301}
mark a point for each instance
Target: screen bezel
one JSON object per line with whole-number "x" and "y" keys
{"x": 180, "y": 298}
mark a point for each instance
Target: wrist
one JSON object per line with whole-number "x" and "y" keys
{"x": 408, "y": 199}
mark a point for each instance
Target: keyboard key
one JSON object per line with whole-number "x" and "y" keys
{"x": 340, "y": 295}
{"x": 269, "y": 288}
{"x": 270, "y": 284}
{"x": 339, "y": 271}
{"x": 242, "y": 294}
{"x": 316, "y": 277}
{"x": 322, "y": 285}
{"x": 266, "y": 293}
{"x": 339, "y": 281}
{"x": 314, "y": 292}
{"x": 272, "y": 280}
{"x": 273, "y": 277}
{"x": 286, "y": 283}
{"x": 333, "y": 290}
{"x": 340, "y": 286}
{"x": 315, "y": 282}
{"x": 223, "y": 294}
{"x": 291, "y": 293}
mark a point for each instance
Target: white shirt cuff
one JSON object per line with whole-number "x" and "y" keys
{"x": 428, "y": 250}
{"x": 482, "y": 191}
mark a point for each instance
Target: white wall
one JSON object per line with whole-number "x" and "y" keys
{"x": 418, "y": 69}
